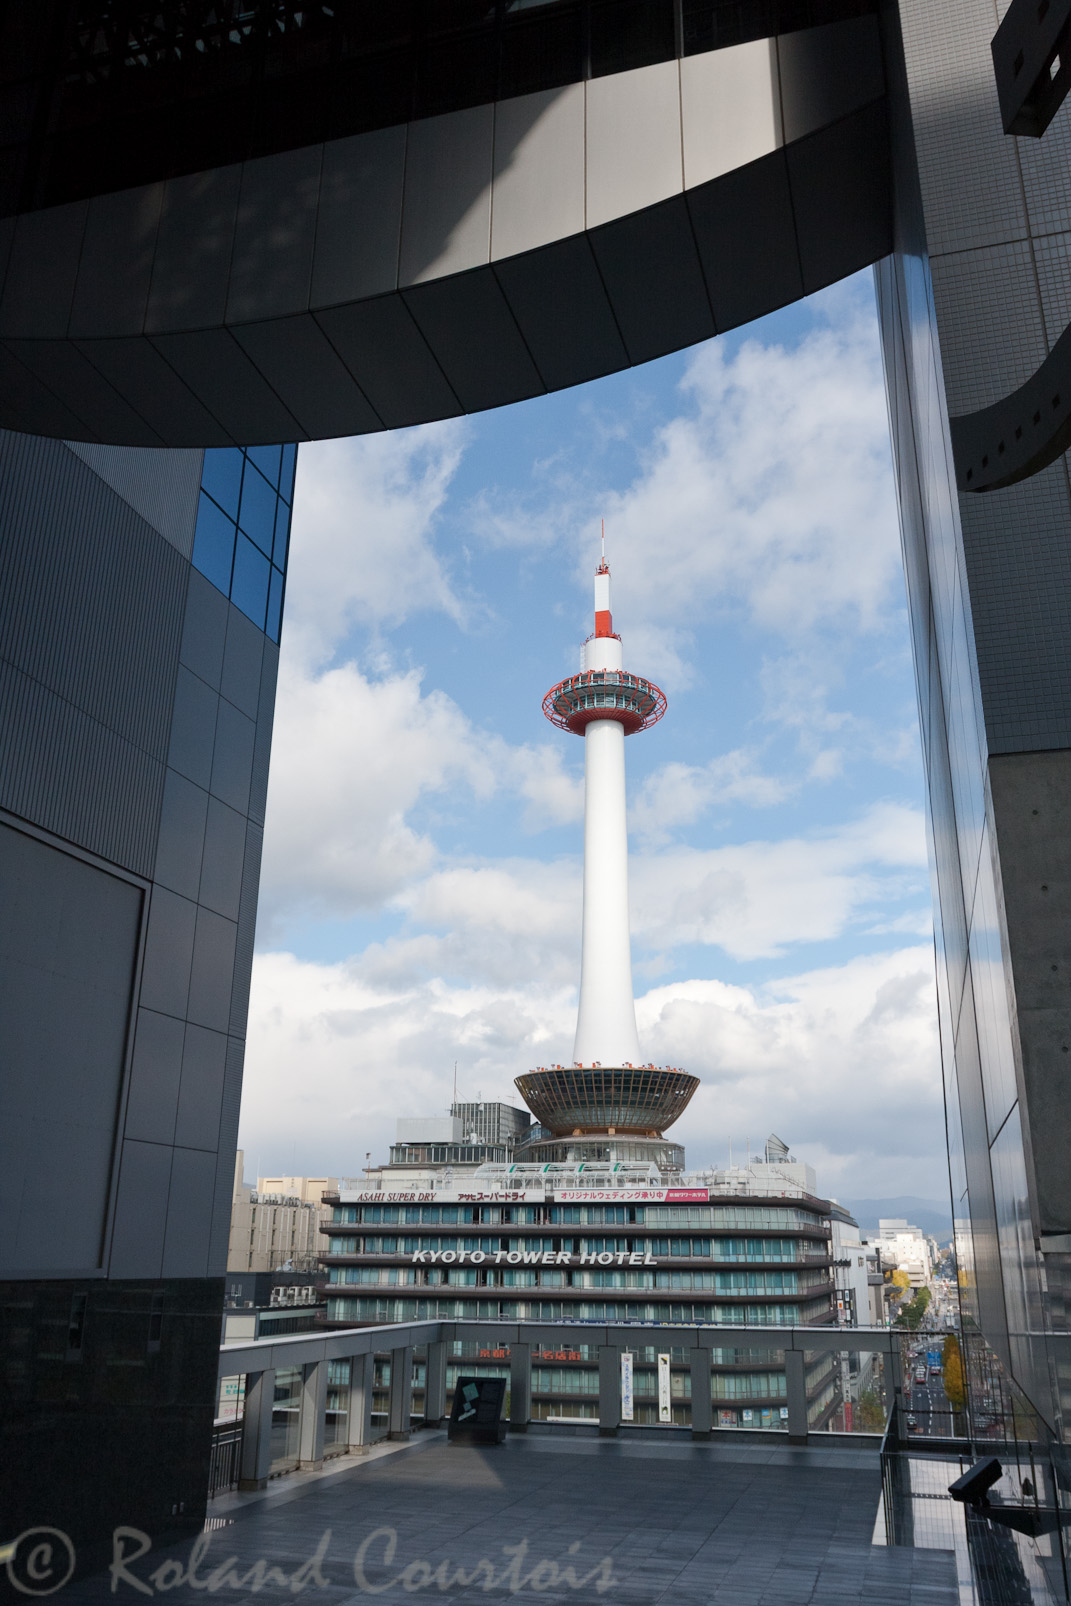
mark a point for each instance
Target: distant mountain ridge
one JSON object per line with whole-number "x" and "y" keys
{"x": 928, "y": 1215}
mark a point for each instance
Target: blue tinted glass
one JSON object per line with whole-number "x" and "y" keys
{"x": 249, "y": 588}
{"x": 286, "y": 479}
{"x": 282, "y": 535}
{"x": 267, "y": 460}
{"x": 213, "y": 544}
{"x": 222, "y": 476}
{"x": 257, "y": 516}
{"x": 275, "y": 605}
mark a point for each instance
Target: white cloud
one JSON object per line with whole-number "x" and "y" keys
{"x": 362, "y": 549}
{"x": 842, "y": 1062}
{"x": 680, "y": 794}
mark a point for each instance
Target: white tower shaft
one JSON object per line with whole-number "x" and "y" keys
{"x": 606, "y": 1020}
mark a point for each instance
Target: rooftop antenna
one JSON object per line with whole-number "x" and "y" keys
{"x": 455, "y": 1081}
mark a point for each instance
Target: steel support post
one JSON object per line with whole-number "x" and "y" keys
{"x": 520, "y": 1387}
{"x": 362, "y": 1377}
{"x": 313, "y": 1406}
{"x": 609, "y": 1390}
{"x": 401, "y": 1392}
{"x": 254, "y": 1465}
{"x": 702, "y": 1406}
{"x": 796, "y": 1396}
{"x": 435, "y": 1385}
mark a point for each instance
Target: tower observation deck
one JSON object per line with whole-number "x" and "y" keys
{"x": 608, "y": 1088}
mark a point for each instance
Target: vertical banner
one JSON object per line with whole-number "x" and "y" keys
{"x": 626, "y": 1385}
{"x": 665, "y": 1409}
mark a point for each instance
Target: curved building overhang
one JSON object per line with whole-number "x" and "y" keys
{"x": 454, "y": 263}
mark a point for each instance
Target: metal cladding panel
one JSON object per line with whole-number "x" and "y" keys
{"x": 42, "y": 270}
{"x": 380, "y": 340}
{"x": 155, "y": 1075}
{"x": 278, "y": 203}
{"x": 748, "y": 271}
{"x": 155, "y": 391}
{"x": 651, "y": 269}
{"x": 539, "y": 170}
{"x": 487, "y": 369}
{"x": 61, "y": 367}
{"x": 247, "y": 925}
{"x": 216, "y": 368}
{"x": 842, "y": 196}
{"x": 159, "y": 484}
{"x": 26, "y": 404}
{"x": 359, "y": 226}
{"x": 296, "y": 356}
{"x": 68, "y": 949}
{"x": 116, "y": 262}
{"x": 223, "y": 1189}
{"x": 191, "y": 265}
{"x": 97, "y": 634}
{"x": 563, "y": 312}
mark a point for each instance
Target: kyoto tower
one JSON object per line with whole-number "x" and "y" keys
{"x": 607, "y": 1089}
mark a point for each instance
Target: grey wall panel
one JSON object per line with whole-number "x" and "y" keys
{"x": 26, "y": 404}
{"x": 258, "y": 785}
{"x": 165, "y": 978}
{"x": 193, "y": 729}
{"x": 228, "y": 1142}
{"x": 242, "y": 660}
{"x": 155, "y": 391}
{"x": 181, "y": 841}
{"x": 730, "y": 109}
{"x": 68, "y": 944}
{"x": 827, "y": 72}
{"x": 160, "y": 485}
{"x": 271, "y": 264}
{"x": 155, "y": 1074}
{"x": 101, "y": 593}
{"x": 193, "y": 250}
{"x": 189, "y": 1214}
{"x": 380, "y": 341}
{"x": 538, "y": 170}
{"x": 61, "y": 366}
{"x": 214, "y": 365}
{"x": 221, "y": 868}
{"x": 360, "y": 217}
{"x": 633, "y": 151}
{"x": 247, "y": 926}
{"x": 68, "y": 773}
{"x": 212, "y": 971}
{"x": 295, "y": 356}
{"x": 560, "y": 303}
{"x": 41, "y": 271}
{"x": 488, "y": 372}
{"x": 137, "y": 1248}
{"x": 650, "y": 266}
{"x": 232, "y": 757}
{"x": 200, "y": 1097}
{"x": 446, "y": 206}
{"x": 115, "y": 264}
{"x": 842, "y": 196}
{"x": 204, "y": 632}
{"x": 752, "y": 270}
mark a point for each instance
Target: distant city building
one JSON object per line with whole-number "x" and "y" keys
{"x": 473, "y": 1134}
{"x": 276, "y": 1225}
{"x": 904, "y": 1247}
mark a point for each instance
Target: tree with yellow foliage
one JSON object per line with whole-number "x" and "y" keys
{"x": 952, "y": 1368}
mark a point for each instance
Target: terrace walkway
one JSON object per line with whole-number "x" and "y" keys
{"x": 555, "y": 1517}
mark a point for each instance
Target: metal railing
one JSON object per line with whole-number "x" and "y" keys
{"x": 225, "y": 1458}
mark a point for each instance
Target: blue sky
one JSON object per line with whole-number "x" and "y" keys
{"x": 421, "y": 889}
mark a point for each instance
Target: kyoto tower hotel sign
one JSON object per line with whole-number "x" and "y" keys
{"x": 607, "y": 1089}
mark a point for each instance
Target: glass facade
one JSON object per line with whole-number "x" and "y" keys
{"x": 243, "y": 527}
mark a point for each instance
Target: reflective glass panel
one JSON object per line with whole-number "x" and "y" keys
{"x": 275, "y": 605}
{"x": 282, "y": 534}
{"x": 213, "y": 544}
{"x": 267, "y": 460}
{"x": 249, "y": 588}
{"x": 286, "y": 478}
{"x": 257, "y": 517}
{"x": 221, "y": 476}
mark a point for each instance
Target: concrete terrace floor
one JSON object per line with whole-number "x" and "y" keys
{"x": 555, "y": 1518}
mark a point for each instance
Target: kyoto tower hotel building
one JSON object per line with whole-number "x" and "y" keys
{"x": 596, "y": 1219}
